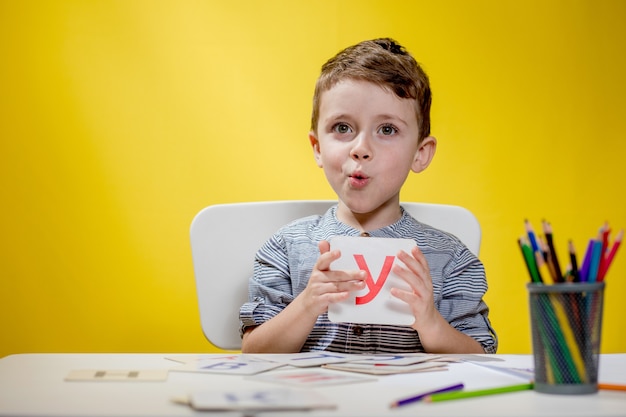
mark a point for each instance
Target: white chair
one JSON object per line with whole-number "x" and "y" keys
{"x": 225, "y": 238}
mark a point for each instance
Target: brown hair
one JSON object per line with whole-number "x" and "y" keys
{"x": 383, "y": 62}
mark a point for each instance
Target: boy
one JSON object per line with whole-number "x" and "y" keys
{"x": 370, "y": 127}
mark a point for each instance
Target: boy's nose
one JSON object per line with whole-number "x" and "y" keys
{"x": 361, "y": 148}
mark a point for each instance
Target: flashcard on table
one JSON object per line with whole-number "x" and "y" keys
{"x": 117, "y": 375}
{"x": 382, "y": 369}
{"x": 259, "y": 400}
{"x": 396, "y": 360}
{"x": 374, "y": 304}
{"x": 469, "y": 357}
{"x": 527, "y": 374}
{"x": 306, "y": 359}
{"x": 234, "y": 365}
{"x": 190, "y": 358}
{"x": 310, "y": 378}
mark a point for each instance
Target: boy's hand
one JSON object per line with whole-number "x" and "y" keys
{"x": 417, "y": 274}
{"x": 326, "y": 286}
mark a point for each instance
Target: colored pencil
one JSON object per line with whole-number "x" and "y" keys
{"x": 547, "y": 260}
{"x": 547, "y": 230}
{"x": 611, "y": 255}
{"x": 419, "y": 397}
{"x": 577, "y": 372}
{"x": 477, "y": 393}
{"x": 531, "y": 235}
{"x": 612, "y": 387}
{"x": 545, "y": 275}
{"x": 584, "y": 269}
{"x": 529, "y": 260}
{"x": 596, "y": 254}
{"x": 604, "y": 231}
{"x": 573, "y": 261}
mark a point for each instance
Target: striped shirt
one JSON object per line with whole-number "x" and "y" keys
{"x": 282, "y": 267}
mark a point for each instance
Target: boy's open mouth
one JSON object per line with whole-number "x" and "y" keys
{"x": 359, "y": 175}
{"x": 358, "y": 179}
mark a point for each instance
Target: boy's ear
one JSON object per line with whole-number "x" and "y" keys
{"x": 315, "y": 144}
{"x": 424, "y": 154}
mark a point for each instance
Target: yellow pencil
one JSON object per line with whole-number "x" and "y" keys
{"x": 544, "y": 271}
{"x": 570, "y": 340}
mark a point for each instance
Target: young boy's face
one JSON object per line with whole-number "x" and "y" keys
{"x": 367, "y": 143}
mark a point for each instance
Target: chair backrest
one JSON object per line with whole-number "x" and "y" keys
{"x": 225, "y": 238}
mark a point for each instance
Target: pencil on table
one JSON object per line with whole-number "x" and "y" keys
{"x": 612, "y": 387}
{"x": 457, "y": 395}
{"x": 423, "y": 395}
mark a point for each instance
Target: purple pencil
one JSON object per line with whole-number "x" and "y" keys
{"x": 409, "y": 400}
{"x": 584, "y": 269}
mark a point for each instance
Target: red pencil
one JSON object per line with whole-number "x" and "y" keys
{"x": 611, "y": 255}
{"x": 604, "y": 235}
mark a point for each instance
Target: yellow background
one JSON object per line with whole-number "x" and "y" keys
{"x": 120, "y": 120}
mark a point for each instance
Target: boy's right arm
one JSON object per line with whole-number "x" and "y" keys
{"x": 288, "y": 330}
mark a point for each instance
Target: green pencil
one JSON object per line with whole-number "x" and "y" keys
{"x": 478, "y": 393}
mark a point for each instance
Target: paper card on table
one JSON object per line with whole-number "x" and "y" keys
{"x": 234, "y": 365}
{"x": 307, "y": 359}
{"x": 310, "y": 378}
{"x": 117, "y": 375}
{"x": 397, "y": 360}
{"x": 527, "y": 374}
{"x": 469, "y": 357}
{"x": 374, "y": 304}
{"x": 186, "y": 358}
{"x": 381, "y": 369}
{"x": 259, "y": 400}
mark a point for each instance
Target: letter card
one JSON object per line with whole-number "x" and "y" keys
{"x": 374, "y": 304}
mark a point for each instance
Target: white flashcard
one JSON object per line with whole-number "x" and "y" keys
{"x": 259, "y": 400}
{"x": 397, "y": 360}
{"x": 382, "y": 369}
{"x": 117, "y": 375}
{"x": 310, "y": 377}
{"x": 306, "y": 359}
{"x": 374, "y": 304}
{"x": 186, "y": 358}
{"x": 234, "y": 365}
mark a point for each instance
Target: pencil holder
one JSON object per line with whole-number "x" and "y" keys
{"x": 566, "y": 325}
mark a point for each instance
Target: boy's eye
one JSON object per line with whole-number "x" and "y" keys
{"x": 342, "y": 128}
{"x": 387, "y": 130}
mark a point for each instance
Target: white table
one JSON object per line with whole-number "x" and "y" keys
{"x": 33, "y": 385}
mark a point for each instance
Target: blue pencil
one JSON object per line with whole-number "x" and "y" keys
{"x": 594, "y": 266}
{"x": 531, "y": 236}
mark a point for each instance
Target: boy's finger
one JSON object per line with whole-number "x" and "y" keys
{"x": 327, "y": 258}
{"x": 346, "y": 276}
{"x": 324, "y": 246}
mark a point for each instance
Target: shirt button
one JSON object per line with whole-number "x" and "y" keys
{"x": 357, "y": 331}
{"x": 365, "y": 234}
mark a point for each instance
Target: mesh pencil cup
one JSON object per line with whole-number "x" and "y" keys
{"x": 566, "y": 324}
